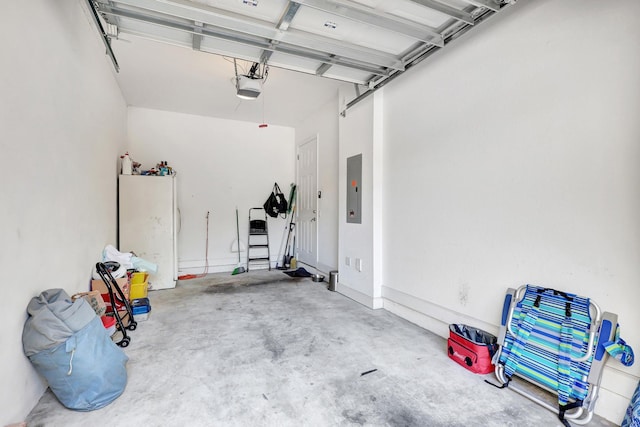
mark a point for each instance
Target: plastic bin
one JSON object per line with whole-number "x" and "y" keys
{"x": 138, "y": 285}
{"x": 140, "y": 306}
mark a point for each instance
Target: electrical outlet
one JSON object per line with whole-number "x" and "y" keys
{"x": 347, "y": 261}
{"x": 358, "y": 264}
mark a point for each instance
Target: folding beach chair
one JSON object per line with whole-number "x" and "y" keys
{"x": 556, "y": 341}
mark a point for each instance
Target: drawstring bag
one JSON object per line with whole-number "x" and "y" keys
{"x": 68, "y": 345}
{"x": 276, "y": 203}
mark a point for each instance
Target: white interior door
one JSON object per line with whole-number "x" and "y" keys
{"x": 307, "y": 203}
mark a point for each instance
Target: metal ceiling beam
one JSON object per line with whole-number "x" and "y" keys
{"x": 376, "y": 19}
{"x": 243, "y": 26}
{"x": 266, "y": 55}
{"x": 103, "y": 35}
{"x": 287, "y": 16}
{"x": 234, "y": 37}
{"x": 342, "y": 49}
{"x": 447, "y": 10}
{"x": 433, "y": 49}
{"x": 493, "y": 5}
{"x": 323, "y": 69}
{"x": 283, "y": 25}
{"x": 196, "y": 38}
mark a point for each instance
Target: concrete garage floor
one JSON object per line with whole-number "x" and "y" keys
{"x": 262, "y": 349}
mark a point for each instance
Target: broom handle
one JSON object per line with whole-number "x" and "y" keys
{"x": 238, "y": 234}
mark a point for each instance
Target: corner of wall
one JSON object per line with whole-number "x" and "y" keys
{"x": 359, "y": 297}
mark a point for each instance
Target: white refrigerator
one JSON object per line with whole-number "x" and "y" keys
{"x": 147, "y": 224}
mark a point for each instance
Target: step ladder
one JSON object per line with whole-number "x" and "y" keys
{"x": 258, "y": 238}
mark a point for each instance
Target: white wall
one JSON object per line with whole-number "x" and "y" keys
{"x": 358, "y": 136}
{"x": 323, "y": 124}
{"x": 221, "y": 164}
{"x": 62, "y": 124}
{"x": 519, "y": 163}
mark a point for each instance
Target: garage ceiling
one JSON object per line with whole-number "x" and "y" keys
{"x": 358, "y": 41}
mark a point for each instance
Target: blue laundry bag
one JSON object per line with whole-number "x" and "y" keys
{"x": 68, "y": 345}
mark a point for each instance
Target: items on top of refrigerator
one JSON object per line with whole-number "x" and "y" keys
{"x": 161, "y": 169}
{"x": 129, "y": 166}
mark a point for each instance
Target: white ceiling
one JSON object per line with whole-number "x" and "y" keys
{"x": 163, "y": 49}
{"x": 166, "y": 77}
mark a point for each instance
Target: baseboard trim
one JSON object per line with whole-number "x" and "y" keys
{"x": 321, "y": 268}
{"x": 326, "y": 269}
{"x": 218, "y": 266}
{"x": 428, "y": 315}
{"x": 357, "y": 296}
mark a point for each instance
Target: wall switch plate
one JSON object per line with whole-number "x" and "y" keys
{"x": 358, "y": 264}
{"x": 347, "y": 261}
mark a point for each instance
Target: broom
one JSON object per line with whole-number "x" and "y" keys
{"x": 239, "y": 269}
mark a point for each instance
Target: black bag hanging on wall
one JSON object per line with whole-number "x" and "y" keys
{"x": 276, "y": 203}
